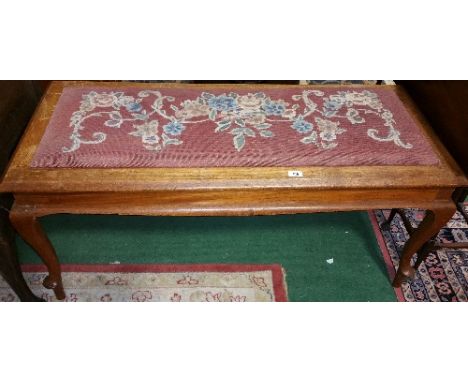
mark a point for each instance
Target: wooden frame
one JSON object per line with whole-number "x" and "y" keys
{"x": 221, "y": 191}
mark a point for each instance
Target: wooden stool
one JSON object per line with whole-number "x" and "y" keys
{"x": 206, "y": 150}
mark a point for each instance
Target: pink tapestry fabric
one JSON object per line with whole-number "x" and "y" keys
{"x": 231, "y": 127}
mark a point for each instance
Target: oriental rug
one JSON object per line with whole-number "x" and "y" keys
{"x": 160, "y": 283}
{"x": 247, "y": 126}
{"x": 443, "y": 276}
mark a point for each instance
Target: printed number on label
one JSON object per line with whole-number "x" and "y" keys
{"x": 295, "y": 174}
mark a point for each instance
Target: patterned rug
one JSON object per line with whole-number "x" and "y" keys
{"x": 443, "y": 276}
{"x": 227, "y": 126}
{"x": 161, "y": 283}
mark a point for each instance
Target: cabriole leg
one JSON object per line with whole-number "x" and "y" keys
{"x": 29, "y": 228}
{"x": 433, "y": 222}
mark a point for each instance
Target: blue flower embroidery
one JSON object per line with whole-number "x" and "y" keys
{"x": 222, "y": 102}
{"x": 274, "y": 108}
{"x": 330, "y": 107}
{"x": 134, "y": 107}
{"x": 302, "y": 126}
{"x": 333, "y": 104}
{"x": 174, "y": 128}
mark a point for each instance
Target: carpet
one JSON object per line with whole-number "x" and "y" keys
{"x": 443, "y": 276}
{"x": 229, "y": 126}
{"x": 160, "y": 283}
{"x": 303, "y": 244}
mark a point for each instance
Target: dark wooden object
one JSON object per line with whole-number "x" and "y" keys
{"x": 18, "y": 100}
{"x": 444, "y": 103}
{"x": 221, "y": 191}
{"x": 9, "y": 266}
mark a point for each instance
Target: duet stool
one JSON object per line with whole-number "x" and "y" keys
{"x": 206, "y": 150}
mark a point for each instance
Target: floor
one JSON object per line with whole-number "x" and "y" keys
{"x": 327, "y": 256}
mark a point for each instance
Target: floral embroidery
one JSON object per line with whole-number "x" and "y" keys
{"x": 244, "y": 117}
{"x": 302, "y": 126}
{"x": 274, "y": 108}
{"x": 192, "y": 109}
{"x": 250, "y": 101}
{"x": 333, "y": 105}
{"x": 174, "y": 128}
{"x": 148, "y": 132}
{"x": 328, "y": 131}
{"x": 103, "y": 100}
{"x": 221, "y": 103}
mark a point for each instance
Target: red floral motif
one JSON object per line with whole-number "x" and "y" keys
{"x": 260, "y": 281}
{"x": 117, "y": 280}
{"x": 419, "y": 295}
{"x": 210, "y": 297}
{"x": 187, "y": 280}
{"x": 238, "y": 298}
{"x": 431, "y": 259}
{"x": 72, "y": 297}
{"x": 437, "y": 273}
{"x": 106, "y": 298}
{"x": 176, "y": 298}
{"x": 142, "y": 295}
{"x": 394, "y": 228}
{"x": 443, "y": 287}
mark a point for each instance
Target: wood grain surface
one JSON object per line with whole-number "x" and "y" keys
{"x": 21, "y": 178}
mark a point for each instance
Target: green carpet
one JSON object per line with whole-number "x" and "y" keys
{"x": 301, "y": 243}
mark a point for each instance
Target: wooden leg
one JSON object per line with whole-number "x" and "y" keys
{"x": 386, "y": 224}
{"x": 9, "y": 265}
{"x": 460, "y": 196}
{"x": 428, "y": 247}
{"x": 28, "y": 227}
{"x": 433, "y": 222}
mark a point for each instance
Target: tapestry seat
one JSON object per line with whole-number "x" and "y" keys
{"x": 240, "y": 126}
